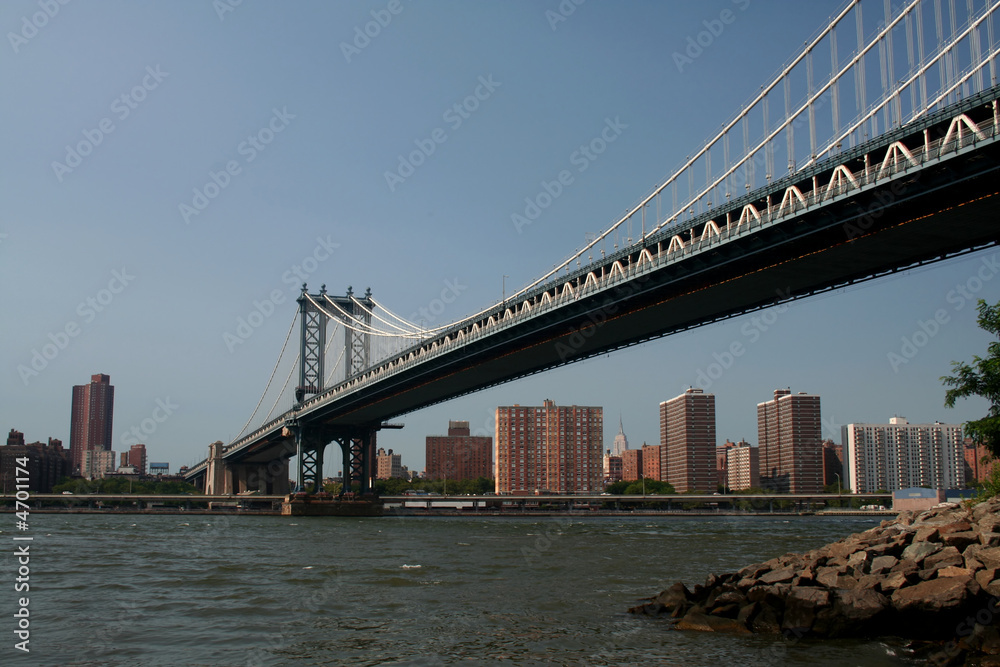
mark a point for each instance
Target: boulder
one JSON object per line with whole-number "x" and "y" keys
{"x": 883, "y": 564}
{"x": 988, "y": 556}
{"x": 935, "y": 595}
{"x": 944, "y": 558}
{"x": 776, "y": 576}
{"x": 954, "y": 571}
{"x": 676, "y": 596}
{"x": 917, "y": 551}
{"x": 961, "y": 539}
{"x": 926, "y": 534}
{"x": 893, "y": 581}
{"x": 955, "y": 527}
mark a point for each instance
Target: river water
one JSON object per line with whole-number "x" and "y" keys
{"x": 257, "y": 590}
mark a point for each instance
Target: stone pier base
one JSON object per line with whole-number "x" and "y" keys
{"x": 324, "y": 504}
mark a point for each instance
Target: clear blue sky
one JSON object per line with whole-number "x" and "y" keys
{"x": 337, "y": 111}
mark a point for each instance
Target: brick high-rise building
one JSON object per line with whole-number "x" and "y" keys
{"x": 833, "y": 463}
{"x": 742, "y": 466}
{"x": 652, "y": 462}
{"x": 92, "y": 418}
{"x": 458, "y": 455}
{"x": 135, "y": 457}
{"x": 979, "y": 462}
{"x": 900, "y": 455}
{"x": 687, "y": 434}
{"x": 789, "y": 434}
{"x": 631, "y": 465}
{"x": 556, "y": 449}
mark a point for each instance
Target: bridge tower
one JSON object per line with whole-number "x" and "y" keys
{"x": 356, "y": 442}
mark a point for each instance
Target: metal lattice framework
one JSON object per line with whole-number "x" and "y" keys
{"x": 355, "y": 315}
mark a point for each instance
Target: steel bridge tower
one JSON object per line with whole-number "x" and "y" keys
{"x": 357, "y": 442}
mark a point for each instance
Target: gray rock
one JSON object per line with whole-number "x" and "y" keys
{"x": 917, "y": 551}
{"x": 883, "y": 563}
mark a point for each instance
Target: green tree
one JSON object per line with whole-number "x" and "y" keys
{"x": 981, "y": 378}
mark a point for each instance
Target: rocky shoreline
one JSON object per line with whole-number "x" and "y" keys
{"x": 931, "y": 575}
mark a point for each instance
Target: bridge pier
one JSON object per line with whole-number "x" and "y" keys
{"x": 357, "y": 446}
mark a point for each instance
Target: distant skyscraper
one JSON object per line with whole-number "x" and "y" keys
{"x": 551, "y": 448}
{"x": 687, "y": 434}
{"x": 789, "y": 433}
{"x": 458, "y": 455}
{"x": 92, "y": 419}
{"x": 900, "y": 455}
{"x": 621, "y": 442}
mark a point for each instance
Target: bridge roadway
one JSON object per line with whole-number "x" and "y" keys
{"x": 903, "y": 199}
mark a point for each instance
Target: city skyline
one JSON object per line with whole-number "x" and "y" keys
{"x": 188, "y": 311}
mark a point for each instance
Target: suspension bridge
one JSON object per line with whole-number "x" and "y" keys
{"x": 873, "y": 151}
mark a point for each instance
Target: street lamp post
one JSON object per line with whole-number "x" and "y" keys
{"x": 837, "y": 475}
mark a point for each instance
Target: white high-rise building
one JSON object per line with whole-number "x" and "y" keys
{"x": 97, "y": 463}
{"x": 621, "y": 442}
{"x": 900, "y": 455}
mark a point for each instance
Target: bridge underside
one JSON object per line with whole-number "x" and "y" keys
{"x": 933, "y": 213}
{"x": 937, "y": 213}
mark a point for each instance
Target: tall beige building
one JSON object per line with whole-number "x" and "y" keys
{"x": 388, "y": 465}
{"x": 687, "y": 438}
{"x": 555, "y": 449}
{"x": 742, "y": 466}
{"x": 789, "y": 435}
